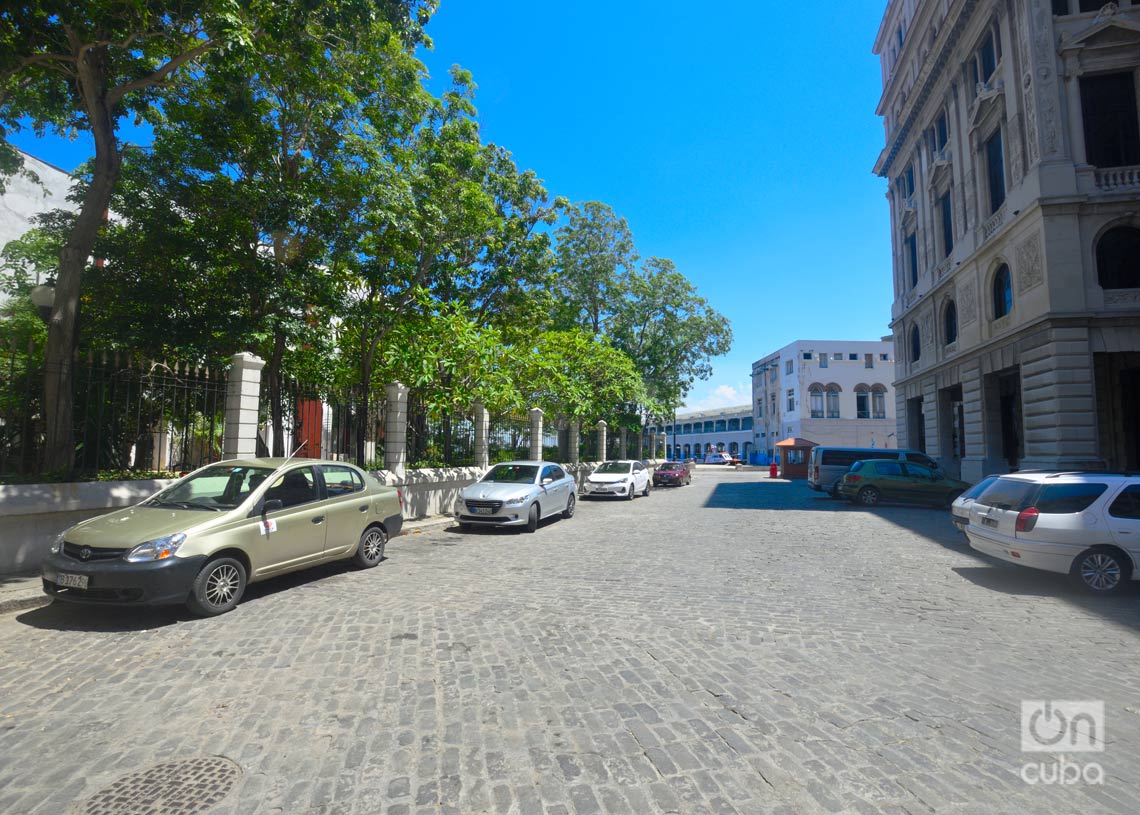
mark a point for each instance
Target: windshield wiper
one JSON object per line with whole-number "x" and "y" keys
{"x": 182, "y": 505}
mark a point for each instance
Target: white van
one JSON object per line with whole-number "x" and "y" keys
{"x": 827, "y": 465}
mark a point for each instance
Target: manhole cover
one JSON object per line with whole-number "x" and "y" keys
{"x": 189, "y": 787}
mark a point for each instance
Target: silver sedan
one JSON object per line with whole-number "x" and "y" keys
{"x": 517, "y": 493}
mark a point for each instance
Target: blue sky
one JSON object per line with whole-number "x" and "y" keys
{"x": 737, "y": 142}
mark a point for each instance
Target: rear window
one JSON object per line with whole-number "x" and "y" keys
{"x": 1061, "y": 499}
{"x": 1008, "y": 493}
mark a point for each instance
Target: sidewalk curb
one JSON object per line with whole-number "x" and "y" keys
{"x": 24, "y": 599}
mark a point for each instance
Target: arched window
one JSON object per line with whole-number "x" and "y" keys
{"x": 1003, "y": 292}
{"x": 815, "y": 397}
{"x": 1118, "y": 258}
{"x": 862, "y": 402}
{"x": 878, "y": 401}
{"x": 915, "y": 344}
{"x": 733, "y": 447}
{"x": 950, "y": 323}
{"x": 833, "y": 401}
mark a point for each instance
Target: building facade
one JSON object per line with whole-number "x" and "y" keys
{"x": 1013, "y": 164}
{"x": 698, "y": 433}
{"x": 835, "y": 392}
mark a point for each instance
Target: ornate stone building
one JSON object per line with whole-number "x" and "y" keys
{"x": 1013, "y": 160}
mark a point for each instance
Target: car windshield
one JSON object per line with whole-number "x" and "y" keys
{"x": 613, "y": 467}
{"x": 670, "y": 466}
{"x": 512, "y": 474}
{"x": 217, "y": 488}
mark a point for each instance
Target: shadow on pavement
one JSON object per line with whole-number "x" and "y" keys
{"x": 1122, "y": 608}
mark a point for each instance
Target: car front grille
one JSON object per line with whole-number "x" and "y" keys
{"x": 75, "y": 552}
{"x": 494, "y": 506}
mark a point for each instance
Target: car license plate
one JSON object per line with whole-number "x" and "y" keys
{"x": 481, "y": 510}
{"x": 71, "y": 581}
{"x": 989, "y": 522}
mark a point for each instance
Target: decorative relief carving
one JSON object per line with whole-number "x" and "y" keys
{"x": 927, "y": 329}
{"x": 1043, "y": 58}
{"x": 1029, "y": 263}
{"x": 969, "y": 300}
{"x": 1122, "y": 297}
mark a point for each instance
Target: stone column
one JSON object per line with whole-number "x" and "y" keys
{"x": 243, "y": 394}
{"x": 396, "y": 429}
{"x": 652, "y": 444}
{"x": 536, "y": 434}
{"x": 623, "y": 433}
{"x": 573, "y": 432}
{"x": 482, "y": 428}
{"x": 601, "y": 452}
{"x": 640, "y": 443}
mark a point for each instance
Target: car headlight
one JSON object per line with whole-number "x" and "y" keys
{"x": 157, "y": 549}
{"x": 514, "y": 502}
{"x": 57, "y": 544}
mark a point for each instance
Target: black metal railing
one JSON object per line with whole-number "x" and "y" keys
{"x": 315, "y": 421}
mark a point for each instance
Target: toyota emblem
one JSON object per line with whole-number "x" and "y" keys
{"x": 85, "y": 553}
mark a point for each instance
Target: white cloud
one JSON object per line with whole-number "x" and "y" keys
{"x": 719, "y": 396}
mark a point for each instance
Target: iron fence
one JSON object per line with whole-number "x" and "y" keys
{"x": 313, "y": 421}
{"x": 129, "y": 414}
{"x": 438, "y": 440}
{"x": 508, "y": 438}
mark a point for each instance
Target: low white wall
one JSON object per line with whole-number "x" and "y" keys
{"x": 31, "y": 515}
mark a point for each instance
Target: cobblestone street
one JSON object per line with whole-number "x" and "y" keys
{"x": 740, "y": 645}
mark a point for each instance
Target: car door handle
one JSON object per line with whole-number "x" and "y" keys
{"x": 319, "y": 519}
{"x": 364, "y": 508}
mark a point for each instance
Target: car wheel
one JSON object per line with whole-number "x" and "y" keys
{"x": 532, "y": 518}
{"x": 370, "y": 550}
{"x": 1101, "y": 571}
{"x": 834, "y": 491}
{"x": 629, "y": 495}
{"x": 217, "y": 588}
{"x": 646, "y": 492}
{"x": 868, "y": 496}
{"x": 569, "y": 511}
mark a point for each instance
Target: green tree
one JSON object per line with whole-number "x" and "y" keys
{"x": 84, "y": 66}
{"x": 595, "y": 253}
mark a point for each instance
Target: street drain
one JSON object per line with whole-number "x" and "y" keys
{"x": 189, "y": 787}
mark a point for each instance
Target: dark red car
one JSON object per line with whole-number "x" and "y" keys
{"x": 672, "y": 473}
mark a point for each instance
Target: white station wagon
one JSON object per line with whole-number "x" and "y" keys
{"x": 1086, "y": 525}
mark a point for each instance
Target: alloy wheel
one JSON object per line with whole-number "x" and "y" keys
{"x": 1100, "y": 571}
{"x": 222, "y": 584}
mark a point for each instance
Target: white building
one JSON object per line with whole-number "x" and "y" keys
{"x": 834, "y": 392}
{"x": 1013, "y": 159}
{"x": 24, "y": 198}
{"x": 697, "y": 433}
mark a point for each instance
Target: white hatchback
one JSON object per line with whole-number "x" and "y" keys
{"x": 1086, "y": 525}
{"x": 623, "y": 478}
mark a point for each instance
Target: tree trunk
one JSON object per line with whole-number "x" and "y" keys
{"x": 59, "y": 445}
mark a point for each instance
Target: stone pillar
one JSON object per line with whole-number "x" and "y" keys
{"x": 482, "y": 428}
{"x": 623, "y": 434}
{"x": 536, "y": 434}
{"x": 601, "y": 440}
{"x": 243, "y": 395}
{"x": 652, "y": 444}
{"x": 640, "y": 443}
{"x": 573, "y": 432}
{"x": 396, "y": 429}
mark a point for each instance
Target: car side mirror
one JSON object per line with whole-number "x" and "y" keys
{"x": 272, "y": 505}
{"x": 546, "y": 481}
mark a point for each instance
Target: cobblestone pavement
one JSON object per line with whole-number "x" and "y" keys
{"x": 740, "y": 645}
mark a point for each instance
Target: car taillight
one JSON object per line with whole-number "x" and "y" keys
{"x": 1026, "y": 519}
{"x": 851, "y": 479}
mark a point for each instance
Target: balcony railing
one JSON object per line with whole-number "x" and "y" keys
{"x": 1114, "y": 179}
{"x": 993, "y": 224}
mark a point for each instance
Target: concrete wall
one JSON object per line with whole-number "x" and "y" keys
{"x": 32, "y": 515}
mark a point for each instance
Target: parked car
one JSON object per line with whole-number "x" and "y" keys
{"x": 201, "y": 540}
{"x": 869, "y": 482}
{"x": 721, "y": 458}
{"x": 675, "y": 473}
{"x": 1085, "y": 525}
{"x": 621, "y": 477}
{"x": 517, "y": 493}
{"x": 960, "y": 509}
{"x": 827, "y": 465}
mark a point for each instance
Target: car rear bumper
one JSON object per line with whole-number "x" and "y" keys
{"x": 1048, "y": 557}
{"x": 117, "y": 582}
{"x": 393, "y": 524}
